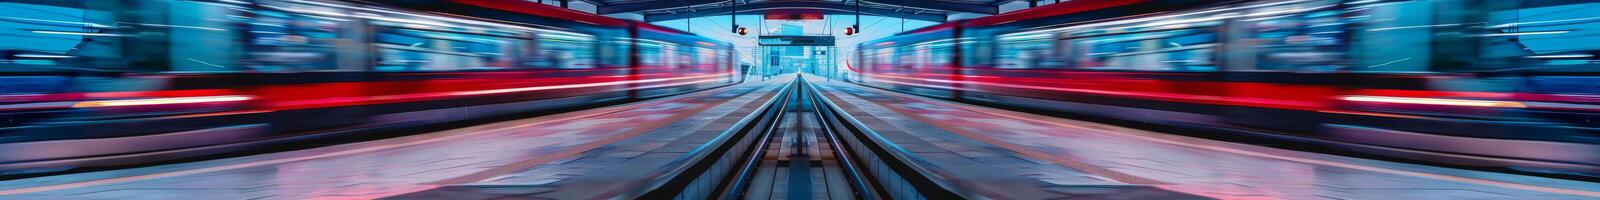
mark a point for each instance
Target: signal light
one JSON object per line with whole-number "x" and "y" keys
{"x": 742, "y": 31}
{"x": 849, "y": 31}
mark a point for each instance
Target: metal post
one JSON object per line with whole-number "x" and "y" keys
{"x": 564, "y": 3}
{"x": 857, "y": 26}
{"x": 734, "y": 17}
{"x": 1033, "y": 3}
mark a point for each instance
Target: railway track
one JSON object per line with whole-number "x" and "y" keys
{"x": 799, "y": 146}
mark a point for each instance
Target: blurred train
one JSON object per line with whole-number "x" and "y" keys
{"x": 98, "y": 83}
{"x": 1496, "y": 83}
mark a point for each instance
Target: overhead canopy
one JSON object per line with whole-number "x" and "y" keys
{"x": 795, "y": 40}
{"x": 927, "y": 10}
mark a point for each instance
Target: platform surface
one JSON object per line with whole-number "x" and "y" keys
{"x": 617, "y": 150}
{"x": 1209, "y": 168}
{"x": 395, "y": 166}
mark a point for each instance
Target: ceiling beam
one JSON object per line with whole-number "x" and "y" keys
{"x": 980, "y": 8}
{"x": 651, "y": 5}
{"x": 596, "y": 3}
{"x": 997, "y": 3}
{"x": 826, "y": 7}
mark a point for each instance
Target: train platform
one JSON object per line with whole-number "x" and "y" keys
{"x": 986, "y": 170}
{"x": 497, "y": 152}
{"x": 628, "y": 169}
{"x": 1098, "y": 154}
{"x": 624, "y": 169}
{"x": 626, "y": 151}
{"x": 658, "y": 99}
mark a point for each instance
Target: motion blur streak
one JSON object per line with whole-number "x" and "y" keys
{"x": 1431, "y": 101}
{"x": 159, "y": 101}
{"x": 1201, "y": 145}
{"x": 587, "y": 85}
{"x": 1397, "y": 77}
{"x": 247, "y": 73}
{"x": 372, "y": 148}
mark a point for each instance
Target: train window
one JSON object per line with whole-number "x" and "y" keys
{"x": 1415, "y": 36}
{"x": 878, "y": 58}
{"x": 1392, "y": 36}
{"x": 905, "y": 57}
{"x": 614, "y": 52}
{"x": 1305, "y": 37}
{"x": 669, "y": 55}
{"x": 976, "y": 52}
{"x": 145, "y": 36}
{"x": 1164, "y": 49}
{"x": 653, "y": 53}
{"x": 682, "y": 57}
{"x": 202, "y": 36}
{"x": 705, "y": 59}
{"x": 1552, "y": 35}
{"x": 934, "y": 54}
{"x": 401, "y": 48}
{"x": 891, "y": 58}
{"x": 296, "y": 37}
{"x": 725, "y": 60}
{"x": 563, "y": 50}
{"x": 1023, "y": 51}
{"x": 62, "y": 36}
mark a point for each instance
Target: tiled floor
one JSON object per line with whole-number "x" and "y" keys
{"x": 1198, "y": 166}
